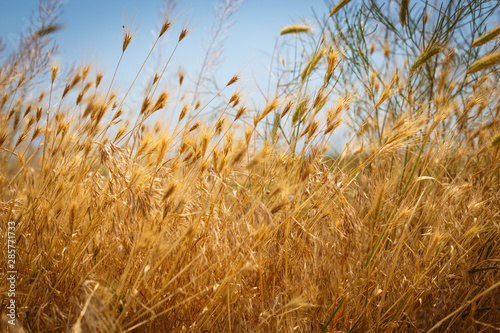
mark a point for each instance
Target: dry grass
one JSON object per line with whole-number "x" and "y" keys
{"x": 244, "y": 223}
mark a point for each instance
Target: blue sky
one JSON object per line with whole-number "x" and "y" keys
{"x": 92, "y": 33}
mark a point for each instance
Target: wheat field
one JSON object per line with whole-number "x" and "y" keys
{"x": 240, "y": 217}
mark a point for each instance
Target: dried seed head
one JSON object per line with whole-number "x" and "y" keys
{"x": 385, "y": 95}
{"x": 28, "y": 110}
{"x": 403, "y": 12}
{"x": 294, "y": 29}
{"x": 21, "y": 79}
{"x": 277, "y": 190}
{"x": 145, "y": 104}
{"x": 332, "y": 126}
{"x": 85, "y": 72}
{"x": 155, "y": 79}
{"x": 117, "y": 114}
{"x": 4, "y": 100}
{"x": 424, "y": 57}
{"x": 21, "y": 138}
{"x": 98, "y": 79}
{"x": 257, "y": 159}
{"x": 236, "y": 102}
{"x": 169, "y": 191}
{"x": 339, "y": 6}
{"x": 484, "y": 62}
{"x": 313, "y": 127}
{"x": 248, "y": 134}
{"x": 161, "y": 102}
{"x": 181, "y": 74}
{"x": 165, "y": 27}
{"x": 496, "y": 141}
{"x": 270, "y": 107}
{"x": 205, "y": 137}
{"x": 40, "y": 98}
{"x": 38, "y": 114}
{"x": 287, "y": 108}
{"x": 65, "y": 91}
{"x": 300, "y": 110}
{"x": 228, "y": 143}
{"x": 311, "y": 64}
{"x": 215, "y": 156}
{"x": 77, "y": 78}
{"x": 319, "y": 98}
{"x": 235, "y": 96}
{"x": 241, "y": 111}
{"x": 489, "y": 36}
{"x": 55, "y": 70}
{"x": 46, "y": 30}
{"x": 183, "y": 112}
{"x": 183, "y": 34}
{"x": 36, "y": 132}
{"x": 218, "y": 127}
{"x": 3, "y": 137}
{"x": 126, "y": 41}
{"x": 256, "y": 120}
{"x": 194, "y": 127}
{"x": 386, "y": 49}
{"x": 278, "y": 207}
{"x": 239, "y": 155}
{"x": 331, "y": 60}
{"x": 79, "y": 98}
{"x": 82, "y": 93}
{"x": 233, "y": 80}
{"x": 120, "y": 132}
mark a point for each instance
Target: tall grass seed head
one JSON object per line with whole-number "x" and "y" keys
{"x": 183, "y": 34}
{"x": 311, "y": 64}
{"x": 294, "y": 29}
{"x": 54, "y": 70}
{"x": 425, "y": 56}
{"x": 98, "y": 79}
{"x": 165, "y": 26}
{"x": 127, "y": 38}
{"x": 484, "y": 62}
{"x": 183, "y": 112}
{"x": 331, "y": 60}
{"x": 161, "y": 102}
{"x": 496, "y": 141}
{"x": 181, "y": 74}
{"x": 338, "y": 6}
{"x": 487, "y": 37}
{"x": 241, "y": 111}
{"x": 403, "y": 12}
{"x": 287, "y": 108}
{"x": 234, "y": 79}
